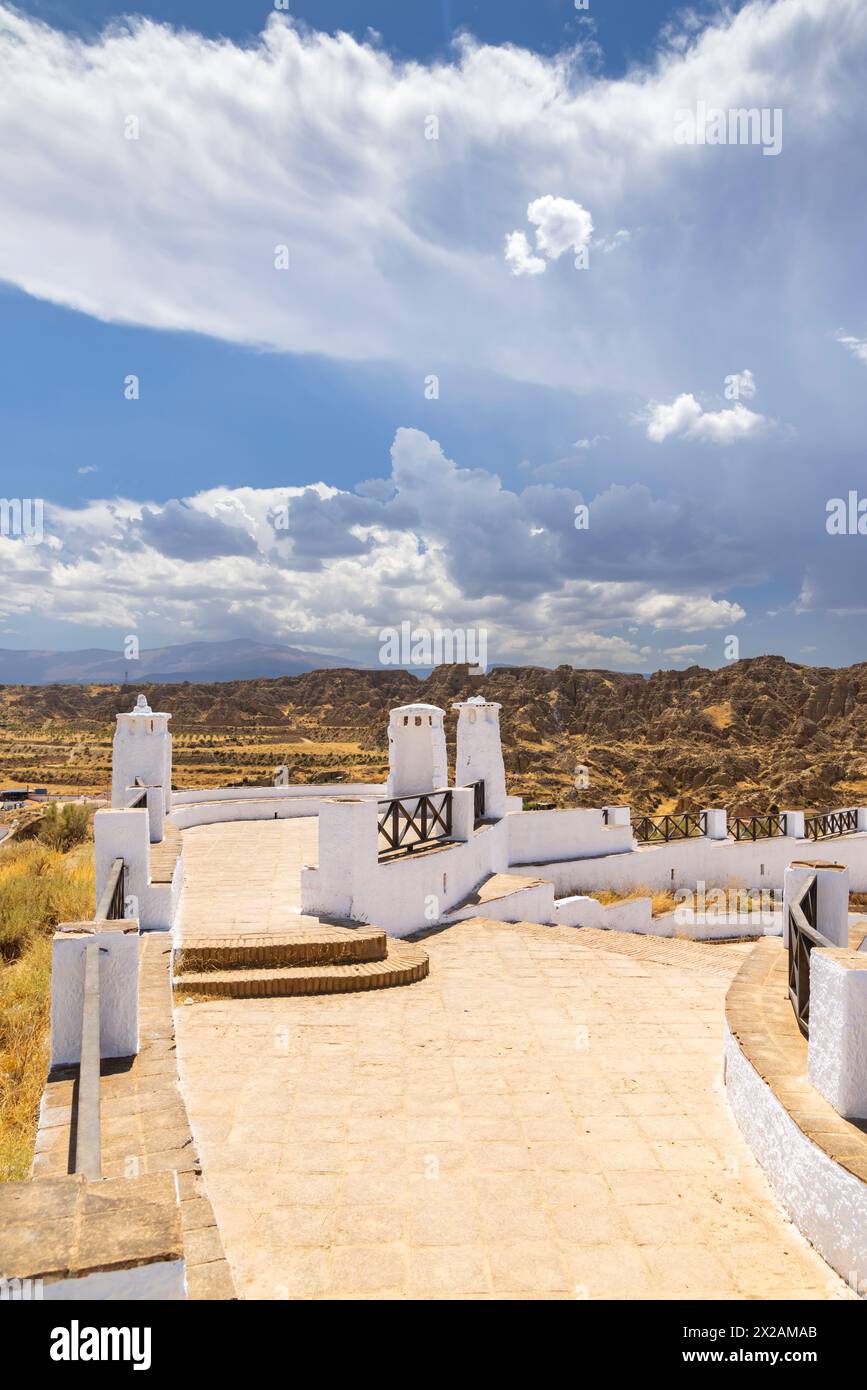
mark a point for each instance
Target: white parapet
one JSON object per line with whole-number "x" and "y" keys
{"x": 348, "y": 858}
{"x": 832, "y": 897}
{"x": 837, "y": 1045}
{"x": 118, "y": 989}
{"x": 417, "y": 761}
{"x": 716, "y": 823}
{"x": 617, "y": 815}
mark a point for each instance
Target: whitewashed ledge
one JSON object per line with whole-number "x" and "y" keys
{"x": 814, "y": 1159}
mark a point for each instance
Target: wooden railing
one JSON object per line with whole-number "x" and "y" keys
{"x": 409, "y": 823}
{"x": 827, "y": 823}
{"x": 659, "y": 829}
{"x": 757, "y": 827}
{"x": 803, "y": 936}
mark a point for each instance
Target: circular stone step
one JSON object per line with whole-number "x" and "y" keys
{"x": 404, "y": 964}
{"x": 320, "y": 945}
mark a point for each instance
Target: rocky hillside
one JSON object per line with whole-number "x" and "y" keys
{"x": 754, "y": 734}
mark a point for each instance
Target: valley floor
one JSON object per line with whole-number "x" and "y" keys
{"x": 543, "y": 1116}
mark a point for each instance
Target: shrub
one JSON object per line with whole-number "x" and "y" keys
{"x": 64, "y": 828}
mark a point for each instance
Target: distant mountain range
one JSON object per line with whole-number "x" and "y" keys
{"x": 240, "y": 659}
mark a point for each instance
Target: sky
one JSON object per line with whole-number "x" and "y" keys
{"x": 321, "y": 320}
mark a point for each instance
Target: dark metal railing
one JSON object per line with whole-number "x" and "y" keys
{"x": 410, "y": 823}
{"x": 827, "y": 823}
{"x": 478, "y": 799}
{"x": 110, "y": 907}
{"x": 757, "y": 827}
{"x": 803, "y": 936}
{"x": 139, "y": 799}
{"x": 656, "y": 829}
{"x": 88, "y": 1159}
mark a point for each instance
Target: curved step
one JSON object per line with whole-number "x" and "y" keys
{"x": 321, "y": 945}
{"x": 405, "y": 963}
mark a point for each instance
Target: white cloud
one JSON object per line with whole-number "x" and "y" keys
{"x": 440, "y": 546}
{"x": 89, "y": 468}
{"x": 519, "y": 256}
{"x": 857, "y": 346}
{"x": 686, "y": 419}
{"x": 688, "y": 649}
{"x": 561, "y": 225}
{"x": 317, "y": 141}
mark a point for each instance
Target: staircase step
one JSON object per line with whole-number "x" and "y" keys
{"x": 496, "y": 888}
{"x": 323, "y": 945}
{"x": 404, "y": 964}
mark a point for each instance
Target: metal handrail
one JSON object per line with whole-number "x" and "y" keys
{"x": 803, "y": 936}
{"x": 409, "y": 823}
{"x": 110, "y": 907}
{"x": 650, "y": 829}
{"x": 757, "y": 827}
{"x": 825, "y": 824}
{"x": 88, "y": 1159}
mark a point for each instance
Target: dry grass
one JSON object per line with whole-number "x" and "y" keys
{"x": 39, "y": 887}
{"x": 662, "y": 899}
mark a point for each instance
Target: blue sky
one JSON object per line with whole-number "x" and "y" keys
{"x": 411, "y": 257}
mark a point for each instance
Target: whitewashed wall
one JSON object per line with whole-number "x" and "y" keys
{"x": 572, "y": 834}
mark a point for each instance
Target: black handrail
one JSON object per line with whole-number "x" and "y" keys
{"x": 803, "y": 936}
{"x": 407, "y": 824}
{"x": 478, "y": 799}
{"x": 110, "y": 907}
{"x": 827, "y": 823}
{"x": 653, "y": 830}
{"x": 757, "y": 827}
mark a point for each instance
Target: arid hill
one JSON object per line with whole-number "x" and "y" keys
{"x": 755, "y": 734}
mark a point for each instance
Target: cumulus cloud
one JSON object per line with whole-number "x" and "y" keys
{"x": 440, "y": 545}
{"x": 686, "y": 419}
{"x": 561, "y": 225}
{"x": 519, "y": 256}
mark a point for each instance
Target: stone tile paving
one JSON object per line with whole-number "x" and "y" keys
{"x": 540, "y": 1118}
{"x": 245, "y": 876}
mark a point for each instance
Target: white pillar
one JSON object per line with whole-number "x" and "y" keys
{"x": 463, "y": 813}
{"x": 716, "y": 824}
{"x": 119, "y": 944}
{"x": 479, "y": 755}
{"x": 156, "y": 814}
{"x": 122, "y": 835}
{"x": 417, "y": 761}
{"x": 862, "y": 817}
{"x": 794, "y": 824}
{"x": 832, "y": 897}
{"x": 837, "y": 1046}
{"x": 348, "y": 857}
{"x": 617, "y": 815}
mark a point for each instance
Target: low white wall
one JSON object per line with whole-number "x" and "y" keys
{"x": 314, "y": 789}
{"x": 566, "y": 835}
{"x": 405, "y": 894}
{"x": 718, "y": 863}
{"x": 530, "y": 904}
{"x": 635, "y": 915}
{"x": 826, "y": 1203}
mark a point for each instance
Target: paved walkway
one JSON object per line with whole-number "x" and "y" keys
{"x": 245, "y": 876}
{"x": 541, "y": 1117}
